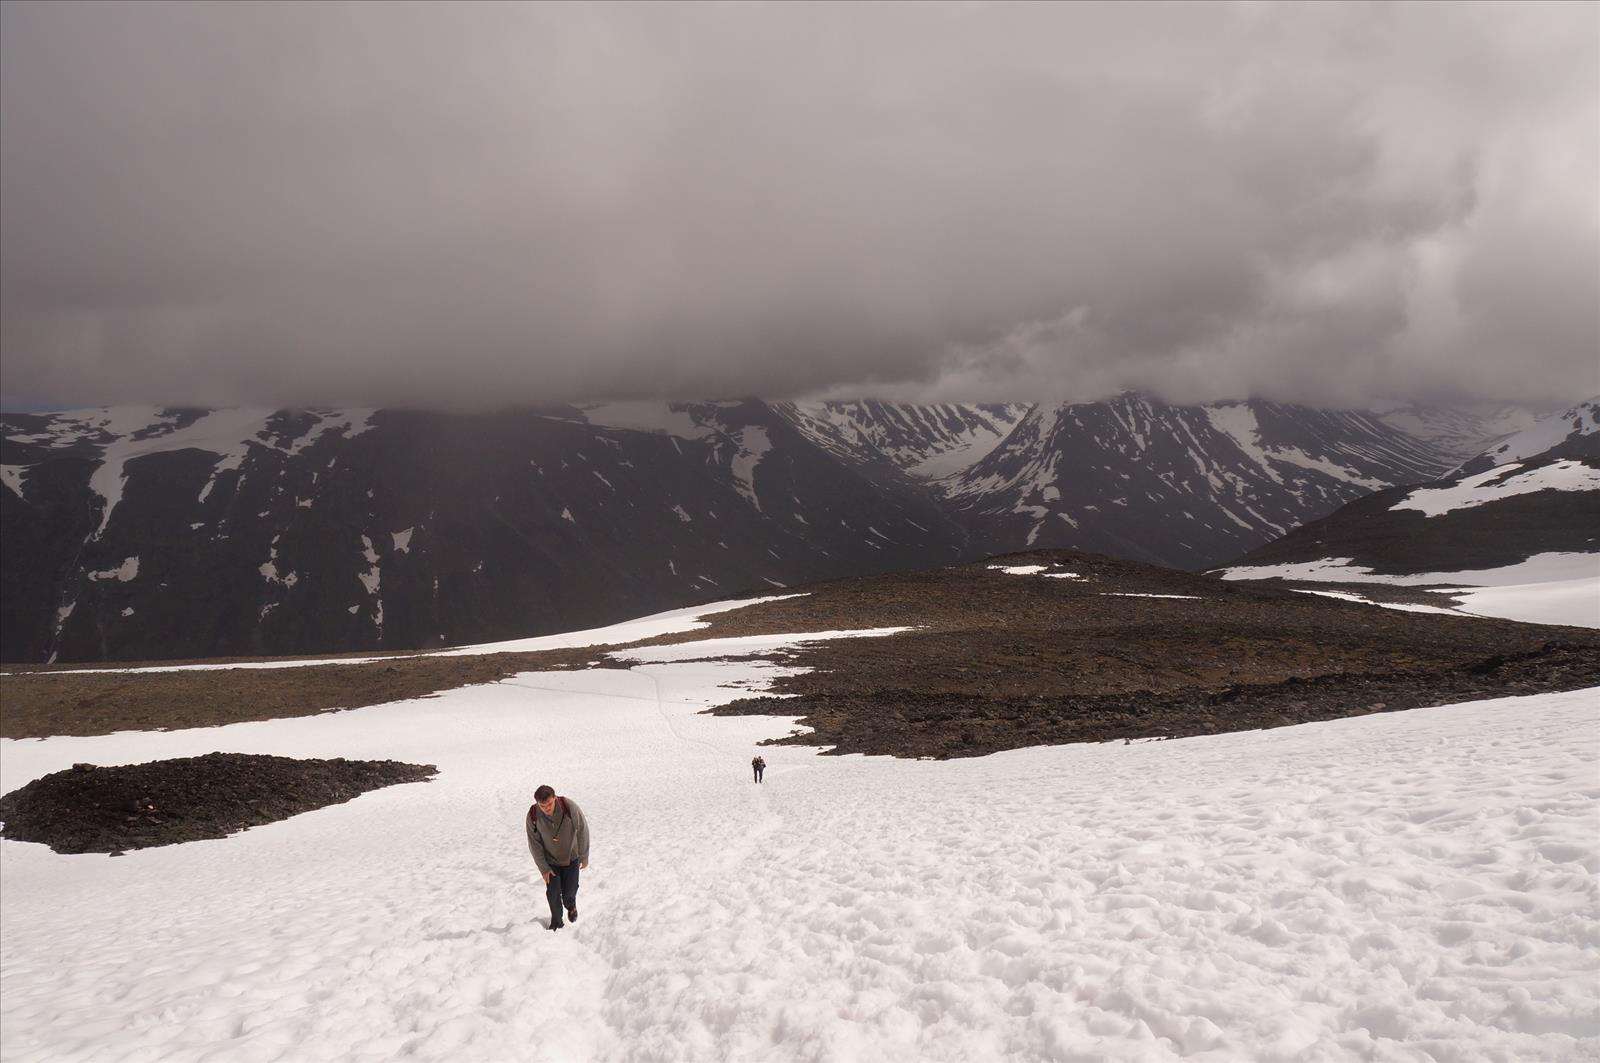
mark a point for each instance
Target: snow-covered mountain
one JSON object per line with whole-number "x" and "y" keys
{"x": 1464, "y": 431}
{"x": 1534, "y": 495}
{"x": 146, "y": 533}
{"x": 137, "y": 533}
{"x": 925, "y": 441}
{"x": 1571, "y": 433}
{"x": 1187, "y": 486}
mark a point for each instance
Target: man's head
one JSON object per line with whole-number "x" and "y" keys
{"x": 545, "y": 797}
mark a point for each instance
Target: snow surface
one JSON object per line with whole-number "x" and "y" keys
{"x": 1575, "y": 602}
{"x": 1404, "y": 607}
{"x": 1550, "y": 432}
{"x": 1564, "y": 475}
{"x": 1131, "y": 594}
{"x": 1416, "y": 885}
{"x": 11, "y": 476}
{"x": 753, "y": 445}
{"x": 963, "y": 455}
{"x": 671, "y": 419}
{"x": 1548, "y": 588}
{"x": 128, "y": 570}
{"x": 1034, "y": 570}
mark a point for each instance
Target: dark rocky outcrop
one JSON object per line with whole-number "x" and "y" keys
{"x": 110, "y": 809}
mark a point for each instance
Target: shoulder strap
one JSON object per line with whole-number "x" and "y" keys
{"x": 533, "y": 809}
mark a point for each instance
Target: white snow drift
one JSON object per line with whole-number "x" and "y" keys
{"x": 1416, "y": 885}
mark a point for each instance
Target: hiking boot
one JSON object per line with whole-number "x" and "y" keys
{"x": 555, "y": 925}
{"x": 572, "y": 915}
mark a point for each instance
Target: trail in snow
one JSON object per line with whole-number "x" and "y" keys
{"x": 1373, "y": 888}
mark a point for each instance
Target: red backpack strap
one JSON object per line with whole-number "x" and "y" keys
{"x": 534, "y": 808}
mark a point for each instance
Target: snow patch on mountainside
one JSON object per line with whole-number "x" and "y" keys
{"x": 1238, "y": 422}
{"x": 11, "y": 476}
{"x": 753, "y": 445}
{"x": 663, "y": 418}
{"x": 958, "y": 455}
{"x": 1581, "y": 420}
{"x": 128, "y": 570}
{"x": 226, "y": 433}
{"x": 1536, "y": 569}
{"x": 124, "y": 433}
{"x": 1548, "y": 588}
{"x": 1501, "y": 482}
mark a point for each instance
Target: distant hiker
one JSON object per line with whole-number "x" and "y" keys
{"x": 558, "y": 838}
{"x": 758, "y": 765}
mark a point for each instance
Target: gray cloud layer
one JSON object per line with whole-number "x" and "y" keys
{"x": 464, "y": 204}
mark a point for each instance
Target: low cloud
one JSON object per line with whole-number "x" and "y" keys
{"x": 479, "y": 204}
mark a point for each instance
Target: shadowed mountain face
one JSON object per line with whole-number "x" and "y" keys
{"x": 276, "y": 532}
{"x": 148, "y": 533}
{"x": 1536, "y": 492}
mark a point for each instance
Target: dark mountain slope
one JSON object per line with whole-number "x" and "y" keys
{"x": 148, "y": 533}
{"x": 282, "y": 533}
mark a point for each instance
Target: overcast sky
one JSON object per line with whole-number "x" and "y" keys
{"x": 457, "y": 204}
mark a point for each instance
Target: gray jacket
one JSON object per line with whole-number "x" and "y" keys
{"x": 560, "y": 839}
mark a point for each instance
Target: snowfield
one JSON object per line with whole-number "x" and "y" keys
{"x": 1409, "y": 886}
{"x": 1549, "y": 588}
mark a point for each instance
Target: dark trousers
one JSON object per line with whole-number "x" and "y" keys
{"x": 562, "y": 890}
{"x": 758, "y": 772}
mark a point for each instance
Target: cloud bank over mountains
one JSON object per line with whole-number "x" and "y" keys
{"x": 468, "y": 205}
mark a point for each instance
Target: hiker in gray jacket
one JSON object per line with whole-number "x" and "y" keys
{"x": 558, "y": 838}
